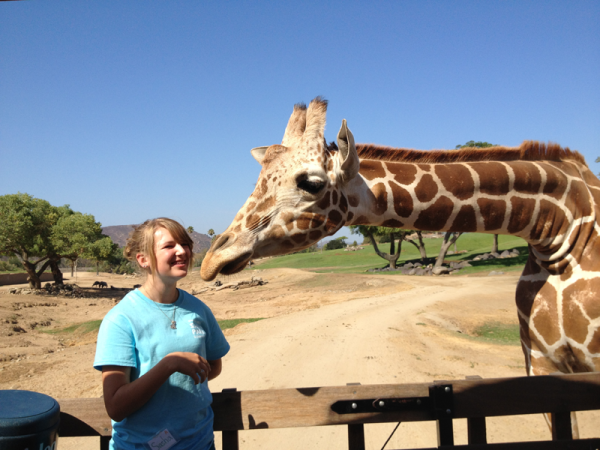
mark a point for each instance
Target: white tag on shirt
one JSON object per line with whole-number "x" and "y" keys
{"x": 162, "y": 441}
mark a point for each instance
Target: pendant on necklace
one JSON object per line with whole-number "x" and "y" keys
{"x": 173, "y": 324}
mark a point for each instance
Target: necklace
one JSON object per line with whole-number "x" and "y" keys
{"x": 173, "y": 321}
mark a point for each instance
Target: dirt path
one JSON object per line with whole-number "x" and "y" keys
{"x": 321, "y": 330}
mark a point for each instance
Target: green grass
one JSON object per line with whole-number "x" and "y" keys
{"x": 78, "y": 328}
{"x": 339, "y": 261}
{"x": 498, "y": 333}
{"x": 94, "y": 326}
{"x": 230, "y": 323}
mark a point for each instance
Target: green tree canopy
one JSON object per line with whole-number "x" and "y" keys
{"x": 37, "y": 232}
{"x": 478, "y": 144}
{"x": 25, "y": 230}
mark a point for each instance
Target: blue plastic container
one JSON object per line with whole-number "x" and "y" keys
{"x": 28, "y": 421}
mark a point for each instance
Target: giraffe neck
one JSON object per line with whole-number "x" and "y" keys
{"x": 546, "y": 203}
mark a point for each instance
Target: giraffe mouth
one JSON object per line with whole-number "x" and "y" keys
{"x": 237, "y": 264}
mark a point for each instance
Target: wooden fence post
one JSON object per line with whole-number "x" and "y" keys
{"x": 356, "y": 432}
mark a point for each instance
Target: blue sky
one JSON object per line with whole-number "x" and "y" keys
{"x": 135, "y": 109}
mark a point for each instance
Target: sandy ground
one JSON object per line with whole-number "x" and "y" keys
{"x": 319, "y": 330}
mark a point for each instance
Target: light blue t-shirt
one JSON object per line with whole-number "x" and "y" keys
{"x": 136, "y": 333}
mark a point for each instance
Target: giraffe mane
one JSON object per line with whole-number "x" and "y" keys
{"x": 527, "y": 151}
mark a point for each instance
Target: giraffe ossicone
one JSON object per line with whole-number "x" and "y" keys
{"x": 545, "y": 194}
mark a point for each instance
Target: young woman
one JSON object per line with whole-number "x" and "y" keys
{"x": 158, "y": 348}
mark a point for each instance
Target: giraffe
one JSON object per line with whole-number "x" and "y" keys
{"x": 542, "y": 193}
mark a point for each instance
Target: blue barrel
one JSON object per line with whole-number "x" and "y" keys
{"x": 28, "y": 421}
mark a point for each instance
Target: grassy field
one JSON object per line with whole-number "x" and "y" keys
{"x": 80, "y": 329}
{"x": 339, "y": 261}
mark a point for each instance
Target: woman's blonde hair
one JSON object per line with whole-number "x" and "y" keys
{"x": 141, "y": 240}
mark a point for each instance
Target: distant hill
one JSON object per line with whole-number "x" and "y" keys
{"x": 120, "y": 233}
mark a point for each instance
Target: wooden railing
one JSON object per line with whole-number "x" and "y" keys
{"x": 442, "y": 401}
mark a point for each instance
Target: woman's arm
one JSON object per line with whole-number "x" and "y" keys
{"x": 123, "y": 397}
{"x": 215, "y": 368}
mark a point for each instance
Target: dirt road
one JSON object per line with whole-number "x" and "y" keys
{"x": 320, "y": 330}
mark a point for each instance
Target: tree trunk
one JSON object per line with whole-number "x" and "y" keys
{"x": 33, "y": 279}
{"x": 56, "y": 272}
{"x": 495, "y": 246}
{"x": 390, "y": 258}
{"x": 97, "y": 267}
{"x": 449, "y": 238}
{"x": 420, "y": 245}
{"x": 34, "y": 276}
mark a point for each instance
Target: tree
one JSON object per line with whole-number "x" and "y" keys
{"x": 449, "y": 238}
{"x": 337, "y": 243}
{"x": 479, "y": 144}
{"x": 372, "y": 231}
{"x": 39, "y": 233}
{"x": 76, "y": 235}
{"x": 25, "y": 229}
{"x": 211, "y": 233}
{"x": 190, "y": 229}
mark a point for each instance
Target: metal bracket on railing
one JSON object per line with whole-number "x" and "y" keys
{"x": 439, "y": 404}
{"x": 442, "y": 401}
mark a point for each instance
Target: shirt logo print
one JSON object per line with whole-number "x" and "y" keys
{"x": 196, "y": 326}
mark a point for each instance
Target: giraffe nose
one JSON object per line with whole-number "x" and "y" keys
{"x": 222, "y": 242}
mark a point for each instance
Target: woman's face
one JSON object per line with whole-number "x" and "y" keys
{"x": 172, "y": 258}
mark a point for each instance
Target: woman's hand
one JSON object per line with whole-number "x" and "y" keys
{"x": 123, "y": 397}
{"x": 190, "y": 364}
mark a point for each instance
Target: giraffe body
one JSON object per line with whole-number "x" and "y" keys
{"x": 541, "y": 193}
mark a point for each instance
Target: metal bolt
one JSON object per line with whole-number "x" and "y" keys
{"x": 381, "y": 403}
{"x": 447, "y": 389}
{"x": 354, "y": 406}
{"x": 448, "y": 411}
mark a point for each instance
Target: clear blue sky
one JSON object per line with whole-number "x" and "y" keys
{"x": 133, "y": 109}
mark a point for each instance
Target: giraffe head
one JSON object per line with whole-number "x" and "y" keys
{"x": 298, "y": 198}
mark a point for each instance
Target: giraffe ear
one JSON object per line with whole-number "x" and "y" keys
{"x": 348, "y": 155}
{"x": 259, "y": 153}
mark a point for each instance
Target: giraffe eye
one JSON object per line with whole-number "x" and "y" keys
{"x": 312, "y": 187}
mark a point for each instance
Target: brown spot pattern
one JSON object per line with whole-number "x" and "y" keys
{"x": 269, "y": 203}
{"x": 317, "y": 221}
{"x": 303, "y": 222}
{"x": 403, "y": 202}
{"x": 556, "y": 183}
{"x": 527, "y": 178}
{"x": 379, "y": 199}
{"x": 426, "y": 189}
{"x": 392, "y": 223}
{"x": 334, "y": 198}
{"x": 493, "y": 178}
{"x": 465, "y": 219}
{"x": 324, "y": 203}
{"x": 353, "y": 199}
{"x": 493, "y": 212}
{"x": 343, "y": 203}
{"x": 520, "y": 216}
{"x": 403, "y": 173}
{"x": 578, "y": 200}
{"x": 457, "y": 180}
{"x": 550, "y": 221}
{"x": 276, "y": 232}
{"x": 434, "y": 218}
{"x": 371, "y": 169}
{"x": 315, "y": 235}
{"x": 298, "y": 238}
